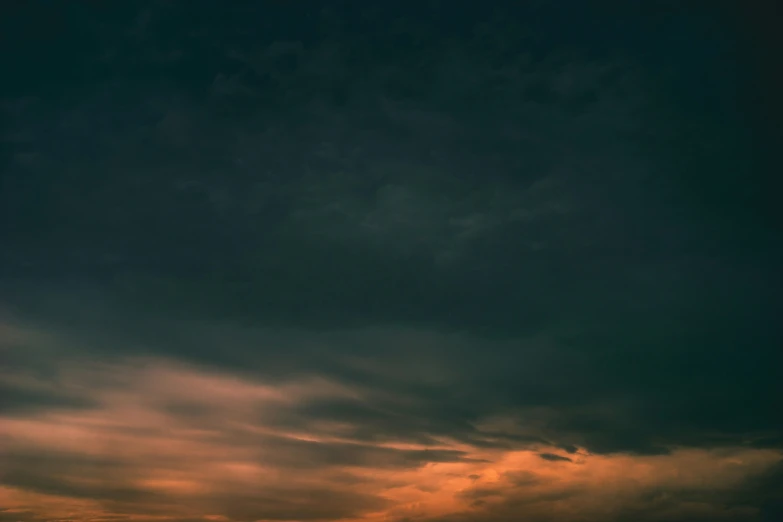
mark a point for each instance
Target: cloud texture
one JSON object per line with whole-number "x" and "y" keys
{"x": 370, "y": 264}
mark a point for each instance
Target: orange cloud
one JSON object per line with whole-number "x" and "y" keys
{"x": 159, "y": 440}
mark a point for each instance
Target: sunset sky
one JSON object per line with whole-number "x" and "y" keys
{"x": 310, "y": 261}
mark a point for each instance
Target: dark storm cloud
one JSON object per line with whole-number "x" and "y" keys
{"x": 472, "y": 237}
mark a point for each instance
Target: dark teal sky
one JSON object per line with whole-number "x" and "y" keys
{"x": 553, "y": 214}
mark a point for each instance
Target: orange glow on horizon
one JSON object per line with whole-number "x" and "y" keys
{"x": 134, "y": 457}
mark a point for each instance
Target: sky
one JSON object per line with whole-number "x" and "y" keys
{"x": 387, "y": 262}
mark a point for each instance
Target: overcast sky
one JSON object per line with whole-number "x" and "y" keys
{"x": 386, "y": 261}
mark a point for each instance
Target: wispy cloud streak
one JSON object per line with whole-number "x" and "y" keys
{"x": 163, "y": 440}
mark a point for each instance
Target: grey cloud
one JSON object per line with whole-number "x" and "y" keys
{"x": 15, "y": 400}
{"x": 552, "y": 457}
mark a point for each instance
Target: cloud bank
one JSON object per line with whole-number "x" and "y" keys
{"x": 148, "y": 439}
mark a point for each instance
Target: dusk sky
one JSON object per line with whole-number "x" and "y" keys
{"x": 388, "y": 261}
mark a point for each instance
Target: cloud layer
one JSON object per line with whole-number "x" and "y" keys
{"x": 383, "y": 263}
{"x": 157, "y": 440}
